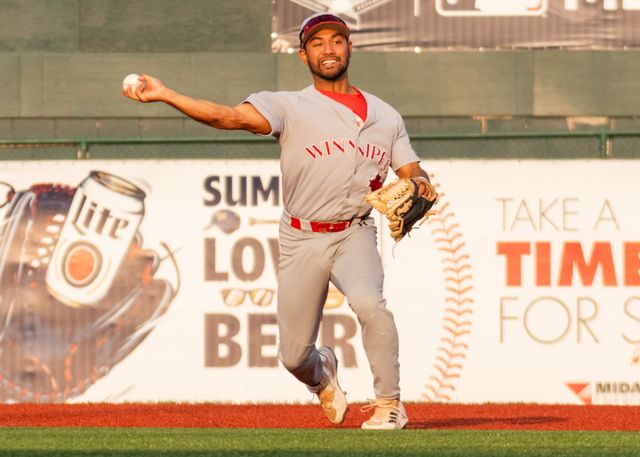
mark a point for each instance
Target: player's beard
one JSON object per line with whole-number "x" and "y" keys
{"x": 334, "y": 74}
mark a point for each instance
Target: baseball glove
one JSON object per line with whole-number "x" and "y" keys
{"x": 401, "y": 203}
{"x": 50, "y": 351}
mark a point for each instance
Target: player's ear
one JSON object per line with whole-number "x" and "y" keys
{"x": 303, "y": 55}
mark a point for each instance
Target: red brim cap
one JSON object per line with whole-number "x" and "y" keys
{"x": 321, "y": 21}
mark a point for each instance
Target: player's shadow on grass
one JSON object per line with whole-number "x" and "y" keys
{"x": 466, "y": 422}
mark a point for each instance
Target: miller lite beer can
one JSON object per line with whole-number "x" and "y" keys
{"x": 104, "y": 216}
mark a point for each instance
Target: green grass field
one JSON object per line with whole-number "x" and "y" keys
{"x": 137, "y": 442}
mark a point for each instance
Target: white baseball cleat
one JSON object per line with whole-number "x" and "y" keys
{"x": 332, "y": 397}
{"x": 387, "y": 415}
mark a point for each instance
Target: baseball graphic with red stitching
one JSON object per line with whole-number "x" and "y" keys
{"x": 458, "y": 307}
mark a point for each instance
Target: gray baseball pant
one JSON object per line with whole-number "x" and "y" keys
{"x": 350, "y": 260}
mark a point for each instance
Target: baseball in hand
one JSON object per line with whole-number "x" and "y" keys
{"x": 130, "y": 81}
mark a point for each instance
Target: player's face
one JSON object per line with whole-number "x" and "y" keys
{"x": 327, "y": 54}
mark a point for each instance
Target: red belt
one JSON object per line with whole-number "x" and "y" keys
{"x": 322, "y": 227}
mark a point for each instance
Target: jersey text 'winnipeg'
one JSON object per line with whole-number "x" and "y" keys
{"x": 335, "y": 147}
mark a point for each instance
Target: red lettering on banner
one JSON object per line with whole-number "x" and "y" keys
{"x": 572, "y": 262}
{"x": 513, "y": 253}
{"x": 543, "y": 264}
{"x": 573, "y": 258}
{"x": 632, "y": 264}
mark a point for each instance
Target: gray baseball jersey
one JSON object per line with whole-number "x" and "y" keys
{"x": 329, "y": 160}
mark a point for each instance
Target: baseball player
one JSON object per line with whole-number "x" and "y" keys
{"x": 337, "y": 145}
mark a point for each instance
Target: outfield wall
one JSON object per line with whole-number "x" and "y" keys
{"x": 62, "y": 63}
{"x": 522, "y": 288}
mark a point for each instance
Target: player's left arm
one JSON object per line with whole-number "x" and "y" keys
{"x": 413, "y": 170}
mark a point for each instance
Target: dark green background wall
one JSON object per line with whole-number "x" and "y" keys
{"x": 62, "y": 63}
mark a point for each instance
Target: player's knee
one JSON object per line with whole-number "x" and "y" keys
{"x": 366, "y": 303}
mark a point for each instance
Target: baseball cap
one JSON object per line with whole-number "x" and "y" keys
{"x": 313, "y": 24}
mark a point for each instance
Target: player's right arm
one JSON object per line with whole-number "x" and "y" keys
{"x": 241, "y": 117}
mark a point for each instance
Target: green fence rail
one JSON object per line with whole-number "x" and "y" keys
{"x": 544, "y": 145}
{"x": 83, "y": 145}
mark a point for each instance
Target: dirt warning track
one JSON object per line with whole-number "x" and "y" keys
{"x": 421, "y": 416}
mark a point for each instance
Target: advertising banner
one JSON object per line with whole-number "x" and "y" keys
{"x": 412, "y": 25}
{"x": 157, "y": 281}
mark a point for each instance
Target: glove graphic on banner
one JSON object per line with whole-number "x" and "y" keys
{"x": 78, "y": 291}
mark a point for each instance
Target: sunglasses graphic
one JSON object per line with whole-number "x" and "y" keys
{"x": 234, "y": 297}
